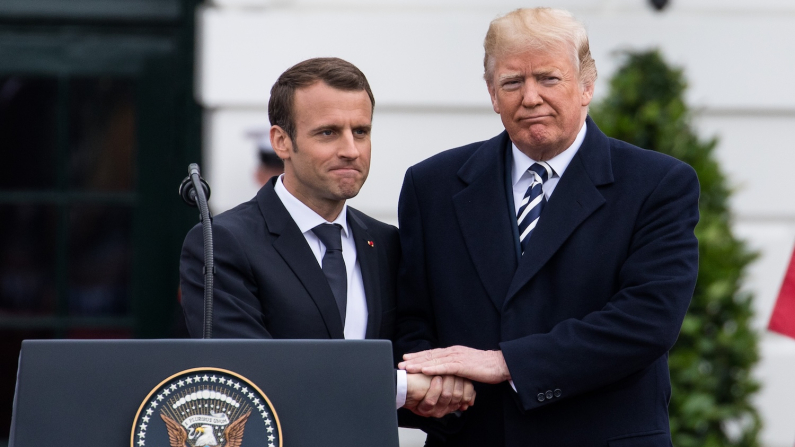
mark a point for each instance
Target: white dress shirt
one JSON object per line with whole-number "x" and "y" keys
{"x": 521, "y": 179}
{"x": 356, "y": 308}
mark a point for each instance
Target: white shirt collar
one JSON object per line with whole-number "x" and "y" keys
{"x": 305, "y": 217}
{"x": 559, "y": 163}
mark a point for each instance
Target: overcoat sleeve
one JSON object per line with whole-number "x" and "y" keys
{"x": 415, "y": 310}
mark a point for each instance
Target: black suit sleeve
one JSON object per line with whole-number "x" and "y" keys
{"x": 237, "y": 312}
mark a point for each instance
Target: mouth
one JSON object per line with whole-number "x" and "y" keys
{"x": 534, "y": 118}
{"x": 345, "y": 170}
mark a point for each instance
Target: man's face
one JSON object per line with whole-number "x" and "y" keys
{"x": 540, "y": 100}
{"x": 329, "y": 159}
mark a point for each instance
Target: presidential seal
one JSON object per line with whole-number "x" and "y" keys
{"x": 206, "y": 407}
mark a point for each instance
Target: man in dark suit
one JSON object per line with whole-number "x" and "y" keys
{"x": 296, "y": 261}
{"x": 551, "y": 264}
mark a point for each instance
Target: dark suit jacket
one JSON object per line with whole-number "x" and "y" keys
{"x": 268, "y": 284}
{"x": 585, "y": 319}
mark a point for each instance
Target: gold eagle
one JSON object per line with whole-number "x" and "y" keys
{"x": 233, "y": 434}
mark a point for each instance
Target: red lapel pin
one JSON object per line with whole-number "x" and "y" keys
{"x": 371, "y": 243}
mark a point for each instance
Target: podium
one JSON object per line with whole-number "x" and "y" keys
{"x": 285, "y": 393}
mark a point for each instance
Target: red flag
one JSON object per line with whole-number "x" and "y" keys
{"x": 783, "y": 318}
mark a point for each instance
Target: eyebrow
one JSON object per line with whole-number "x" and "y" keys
{"x": 338, "y": 128}
{"x": 509, "y": 76}
{"x": 323, "y": 127}
{"x": 546, "y": 72}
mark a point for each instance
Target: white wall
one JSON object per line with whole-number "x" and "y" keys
{"x": 424, "y": 61}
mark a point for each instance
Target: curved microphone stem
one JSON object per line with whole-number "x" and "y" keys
{"x": 198, "y": 194}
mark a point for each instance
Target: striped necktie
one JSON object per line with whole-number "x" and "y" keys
{"x": 532, "y": 203}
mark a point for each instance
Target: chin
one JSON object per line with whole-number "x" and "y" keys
{"x": 540, "y": 136}
{"x": 348, "y": 192}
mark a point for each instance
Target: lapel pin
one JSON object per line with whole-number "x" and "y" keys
{"x": 371, "y": 243}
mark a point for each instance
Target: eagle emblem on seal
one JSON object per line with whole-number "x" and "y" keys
{"x": 205, "y": 435}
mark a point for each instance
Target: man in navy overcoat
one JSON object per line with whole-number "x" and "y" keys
{"x": 550, "y": 264}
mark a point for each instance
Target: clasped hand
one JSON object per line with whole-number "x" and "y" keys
{"x": 452, "y": 370}
{"x": 436, "y": 396}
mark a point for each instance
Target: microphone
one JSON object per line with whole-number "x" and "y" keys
{"x": 187, "y": 189}
{"x": 195, "y": 192}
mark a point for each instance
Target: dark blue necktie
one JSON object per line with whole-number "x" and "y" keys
{"x": 532, "y": 203}
{"x": 333, "y": 264}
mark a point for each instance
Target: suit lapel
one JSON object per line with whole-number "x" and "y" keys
{"x": 481, "y": 209}
{"x": 291, "y": 245}
{"x": 575, "y": 198}
{"x": 367, "y": 256}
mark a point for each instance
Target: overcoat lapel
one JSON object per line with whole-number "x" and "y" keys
{"x": 367, "y": 255}
{"x": 291, "y": 245}
{"x": 481, "y": 209}
{"x": 575, "y": 198}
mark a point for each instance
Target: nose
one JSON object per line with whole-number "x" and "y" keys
{"x": 348, "y": 147}
{"x": 530, "y": 95}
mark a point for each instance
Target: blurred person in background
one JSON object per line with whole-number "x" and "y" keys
{"x": 270, "y": 164}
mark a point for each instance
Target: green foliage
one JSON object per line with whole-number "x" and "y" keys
{"x": 711, "y": 362}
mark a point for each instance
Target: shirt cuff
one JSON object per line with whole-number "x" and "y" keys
{"x": 512, "y": 385}
{"x": 401, "y": 387}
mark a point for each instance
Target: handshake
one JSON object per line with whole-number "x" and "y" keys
{"x": 439, "y": 381}
{"x": 436, "y": 396}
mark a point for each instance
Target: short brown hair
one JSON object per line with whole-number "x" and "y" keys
{"x": 539, "y": 29}
{"x": 333, "y": 71}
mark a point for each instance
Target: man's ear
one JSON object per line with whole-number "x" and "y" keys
{"x": 587, "y": 94}
{"x": 281, "y": 142}
{"x": 493, "y": 95}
